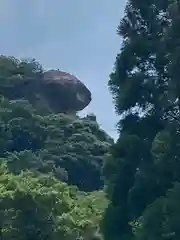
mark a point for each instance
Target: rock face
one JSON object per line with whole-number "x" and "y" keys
{"x": 52, "y": 91}
{"x": 64, "y": 92}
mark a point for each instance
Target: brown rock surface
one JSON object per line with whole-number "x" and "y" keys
{"x": 64, "y": 92}
{"x": 54, "y": 91}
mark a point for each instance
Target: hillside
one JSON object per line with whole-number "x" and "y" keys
{"x": 49, "y": 157}
{"x": 70, "y": 148}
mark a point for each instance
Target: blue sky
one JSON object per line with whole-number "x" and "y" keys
{"x": 78, "y": 36}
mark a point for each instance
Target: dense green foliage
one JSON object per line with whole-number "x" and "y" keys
{"x": 48, "y": 163}
{"x": 144, "y": 163}
{"x": 40, "y": 207}
{"x": 71, "y": 148}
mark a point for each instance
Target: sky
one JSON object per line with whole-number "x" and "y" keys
{"x": 77, "y": 36}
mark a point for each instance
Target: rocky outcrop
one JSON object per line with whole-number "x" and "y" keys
{"x": 54, "y": 91}
{"x": 64, "y": 92}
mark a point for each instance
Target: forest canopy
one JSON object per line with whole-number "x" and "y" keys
{"x": 51, "y": 184}
{"x": 62, "y": 176}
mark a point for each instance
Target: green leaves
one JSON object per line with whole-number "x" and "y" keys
{"x": 161, "y": 218}
{"x": 161, "y": 145}
{"x": 39, "y": 206}
{"x": 144, "y": 163}
{"x": 69, "y": 147}
{"x": 39, "y": 152}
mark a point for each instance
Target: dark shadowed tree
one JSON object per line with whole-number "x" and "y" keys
{"x": 143, "y": 163}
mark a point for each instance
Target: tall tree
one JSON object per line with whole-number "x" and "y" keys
{"x": 145, "y": 88}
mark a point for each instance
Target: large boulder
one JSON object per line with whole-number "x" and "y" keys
{"x": 53, "y": 91}
{"x": 64, "y": 92}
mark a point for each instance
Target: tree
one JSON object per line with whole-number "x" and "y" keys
{"x": 36, "y": 206}
{"x": 39, "y": 152}
{"x": 161, "y": 219}
{"x": 69, "y": 147}
{"x": 145, "y": 88}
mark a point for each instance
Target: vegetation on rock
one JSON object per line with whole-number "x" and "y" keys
{"x": 54, "y": 91}
{"x": 62, "y": 177}
{"x": 49, "y": 161}
{"x": 70, "y": 148}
